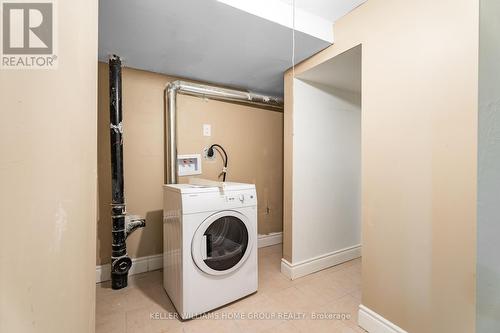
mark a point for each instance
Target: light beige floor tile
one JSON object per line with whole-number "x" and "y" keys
{"x": 348, "y": 305}
{"x": 277, "y": 249}
{"x": 249, "y": 300}
{"x": 347, "y": 279}
{"x": 145, "y": 307}
{"x": 258, "y": 316}
{"x": 153, "y": 320}
{"x": 270, "y": 265}
{"x": 209, "y": 325}
{"x": 110, "y": 323}
{"x": 270, "y": 282}
{"x": 293, "y": 300}
{"x": 344, "y": 328}
{"x": 286, "y": 327}
{"x": 250, "y": 308}
{"x": 356, "y": 294}
{"x": 321, "y": 326}
{"x": 354, "y": 329}
{"x": 138, "y": 321}
{"x": 323, "y": 289}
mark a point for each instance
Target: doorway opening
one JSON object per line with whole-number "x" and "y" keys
{"x": 326, "y": 163}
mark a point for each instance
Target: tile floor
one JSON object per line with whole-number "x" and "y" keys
{"x": 332, "y": 291}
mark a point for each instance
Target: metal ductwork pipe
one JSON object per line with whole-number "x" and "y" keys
{"x": 203, "y": 91}
{"x": 122, "y": 225}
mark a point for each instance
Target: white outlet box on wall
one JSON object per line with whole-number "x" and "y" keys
{"x": 188, "y": 165}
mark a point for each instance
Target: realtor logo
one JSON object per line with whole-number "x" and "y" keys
{"x": 28, "y": 35}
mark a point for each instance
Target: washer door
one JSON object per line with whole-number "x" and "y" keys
{"x": 222, "y": 243}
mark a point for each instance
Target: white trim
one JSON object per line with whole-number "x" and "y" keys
{"x": 139, "y": 265}
{"x": 309, "y": 266}
{"x": 102, "y": 273}
{"x": 372, "y": 322}
{"x": 270, "y": 239}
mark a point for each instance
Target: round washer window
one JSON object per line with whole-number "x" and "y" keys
{"x": 227, "y": 241}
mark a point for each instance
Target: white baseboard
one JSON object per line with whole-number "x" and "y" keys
{"x": 139, "y": 265}
{"x": 374, "y": 323}
{"x": 154, "y": 262}
{"x": 309, "y": 266}
{"x": 270, "y": 239}
{"x": 102, "y": 273}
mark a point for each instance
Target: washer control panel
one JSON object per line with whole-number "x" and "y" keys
{"x": 241, "y": 198}
{"x": 218, "y": 200}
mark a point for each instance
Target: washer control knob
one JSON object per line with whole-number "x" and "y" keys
{"x": 241, "y": 197}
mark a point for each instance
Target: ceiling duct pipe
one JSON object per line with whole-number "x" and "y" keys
{"x": 123, "y": 225}
{"x": 203, "y": 91}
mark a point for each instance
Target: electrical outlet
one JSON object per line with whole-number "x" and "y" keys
{"x": 207, "y": 130}
{"x": 205, "y": 154}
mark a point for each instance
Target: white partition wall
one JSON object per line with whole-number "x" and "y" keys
{"x": 326, "y": 175}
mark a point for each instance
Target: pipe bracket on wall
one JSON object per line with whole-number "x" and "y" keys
{"x": 122, "y": 225}
{"x": 203, "y": 91}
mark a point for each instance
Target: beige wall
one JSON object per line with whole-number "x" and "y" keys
{"x": 48, "y": 184}
{"x": 419, "y": 146}
{"x": 252, "y": 137}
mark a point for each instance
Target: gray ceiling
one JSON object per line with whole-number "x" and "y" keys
{"x": 201, "y": 40}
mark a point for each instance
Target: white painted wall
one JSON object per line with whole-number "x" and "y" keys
{"x": 488, "y": 229}
{"x": 326, "y": 170}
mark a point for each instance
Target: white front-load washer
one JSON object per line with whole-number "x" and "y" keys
{"x": 209, "y": 245}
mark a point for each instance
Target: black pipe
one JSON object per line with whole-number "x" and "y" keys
{"x": 120, "y": 262}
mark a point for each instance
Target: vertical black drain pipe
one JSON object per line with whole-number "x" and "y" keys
{"x": 120, "y": 262}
